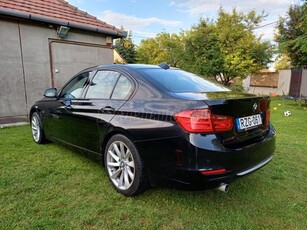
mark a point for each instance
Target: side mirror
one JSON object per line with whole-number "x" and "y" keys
{"x": 52, "y": 92}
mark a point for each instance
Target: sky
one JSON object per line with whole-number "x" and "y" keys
{"x": 146, "y": 18}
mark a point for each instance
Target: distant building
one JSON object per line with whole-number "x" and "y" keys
{"x": 290, "y": 82}
{"x": 268, "y": 82}
{"x": 42, "y": 45}
{"x": 118, "y": 58}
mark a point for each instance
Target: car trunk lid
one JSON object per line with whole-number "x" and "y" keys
{"x": 250, "y": 114}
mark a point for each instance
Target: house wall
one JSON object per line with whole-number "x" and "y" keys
{"x": 118, "y": 58}
{"x": 28, "y": 53}
{"x": 12, "y": 95}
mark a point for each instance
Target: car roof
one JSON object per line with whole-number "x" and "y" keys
{"x": 129, "y": 66}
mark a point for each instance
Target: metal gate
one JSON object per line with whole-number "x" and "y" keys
{"x": 295, "y": 83}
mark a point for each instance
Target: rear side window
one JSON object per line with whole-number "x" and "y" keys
{"x": 178, "y": 81}
{"x": 102, "y": 85}
{"x": 123, "y": 88}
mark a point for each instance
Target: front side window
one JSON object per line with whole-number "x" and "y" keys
{"x": 74, "y": 88}
{"x": 102, "y": 85}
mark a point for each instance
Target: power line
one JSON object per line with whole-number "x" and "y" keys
{"x": 258, "y": 27}
{"x": 268, "y": 24}
{"x": 136, "y": 36}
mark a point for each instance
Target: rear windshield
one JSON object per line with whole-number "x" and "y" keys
{"x": 179, "y": 81}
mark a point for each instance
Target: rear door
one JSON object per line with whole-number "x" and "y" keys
{"x": 106, "y": 94}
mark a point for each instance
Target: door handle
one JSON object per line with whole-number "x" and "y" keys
{"x": 108, "y": 109}
{"x": 68, "y": 107}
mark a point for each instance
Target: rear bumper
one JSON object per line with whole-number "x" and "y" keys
{"x": 183, "y": 158}
{"x": 254, "y": 168}
{"x": 237, "y": 162}
{"x": 195, "y": 178}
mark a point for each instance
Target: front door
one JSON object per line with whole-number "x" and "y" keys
{"x": 57, "y": 119}
{"x": 106, "y": 94}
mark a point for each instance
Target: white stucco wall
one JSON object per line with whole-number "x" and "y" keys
{"x": 284, "y": 82}
{"x": 304, "y": 83}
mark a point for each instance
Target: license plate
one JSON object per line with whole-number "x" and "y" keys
{"x": 249, "y": 122}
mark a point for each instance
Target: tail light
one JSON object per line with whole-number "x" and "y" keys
{"x": 203, "y": 121}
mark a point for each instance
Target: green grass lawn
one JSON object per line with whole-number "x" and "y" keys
{"x": 51, "y": 187}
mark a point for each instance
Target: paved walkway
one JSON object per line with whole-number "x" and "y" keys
{"x": 13, "y": 121}
{"x": 13, "y": 124}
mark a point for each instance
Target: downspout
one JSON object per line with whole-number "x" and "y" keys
{"x": 23, "y": 70}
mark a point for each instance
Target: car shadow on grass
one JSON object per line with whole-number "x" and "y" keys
{"x": 170, "y": 187}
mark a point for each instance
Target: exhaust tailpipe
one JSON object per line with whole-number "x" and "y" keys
{"x": 223, "y": 187}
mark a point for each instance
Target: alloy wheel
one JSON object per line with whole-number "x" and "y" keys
{"x": 35, "y": 125}
{"x": 120, "y": 165}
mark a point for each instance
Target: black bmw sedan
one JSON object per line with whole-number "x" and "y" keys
{"x": 149, "y": 123}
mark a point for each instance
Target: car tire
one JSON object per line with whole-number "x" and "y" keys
{"x": 124, "y": 166}
{"x": 37, "y": 129}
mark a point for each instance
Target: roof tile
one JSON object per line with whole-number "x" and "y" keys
{"x": 55, "y": 9}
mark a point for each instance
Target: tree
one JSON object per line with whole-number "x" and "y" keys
{"x": 126, "y": 49}
{"x": 202, "y": 50}
{"x": 227, "y": 48}
{"x": 165, "y": 47}
{"x": 282, "y": 62}
{"x": 292, "y": 34}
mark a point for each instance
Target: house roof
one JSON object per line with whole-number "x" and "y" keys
{"x": 57, "y": 12}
